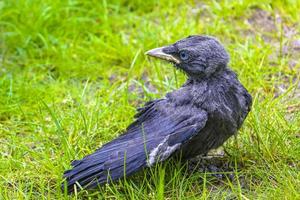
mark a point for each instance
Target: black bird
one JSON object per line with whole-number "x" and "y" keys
{"x": 201, "y": 115}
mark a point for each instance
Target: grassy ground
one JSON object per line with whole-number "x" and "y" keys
{"x": 72, "y": 73}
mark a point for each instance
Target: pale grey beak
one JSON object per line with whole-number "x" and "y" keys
{"x": 158, "y": 53}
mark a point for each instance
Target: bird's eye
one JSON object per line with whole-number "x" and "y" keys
{"x": 183, "y": 55}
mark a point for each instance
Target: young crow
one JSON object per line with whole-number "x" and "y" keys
{"x": 201, "y": 115}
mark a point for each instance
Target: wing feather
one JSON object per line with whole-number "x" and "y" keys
{"x": 160, "y": 129}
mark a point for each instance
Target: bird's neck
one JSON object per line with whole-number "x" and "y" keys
{"x": 201, "y": 78}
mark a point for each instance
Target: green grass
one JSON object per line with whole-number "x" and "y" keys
{"x": 73, "y": 72}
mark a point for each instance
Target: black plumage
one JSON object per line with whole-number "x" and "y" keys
{"x": 201, "y": 115}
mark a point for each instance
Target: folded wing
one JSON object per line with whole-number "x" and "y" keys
{"x": 160, "y": 129}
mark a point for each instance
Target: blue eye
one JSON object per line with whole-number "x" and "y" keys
{"x": 183, "y": 55}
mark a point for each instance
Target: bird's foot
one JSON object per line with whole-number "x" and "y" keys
{"x": 214, "y": 164}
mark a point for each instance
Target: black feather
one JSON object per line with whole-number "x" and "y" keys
{"x": 129, "y": 152}
{"x": 209, "y": 108}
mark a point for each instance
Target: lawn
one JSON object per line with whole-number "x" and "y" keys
{"x": 73, "y": 72}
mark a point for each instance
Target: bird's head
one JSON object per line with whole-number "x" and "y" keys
{"x": 197, "y": 55}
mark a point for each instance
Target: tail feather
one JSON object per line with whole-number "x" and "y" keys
{"x": 98, "y": 168}
{"x": 84, "y": 174}
{"x": 114, "y": 176}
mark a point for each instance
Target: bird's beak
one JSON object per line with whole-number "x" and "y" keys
{"x": 158, "y": 53}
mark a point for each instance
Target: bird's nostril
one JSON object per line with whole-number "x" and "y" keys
{"x": 169, "y": 50}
